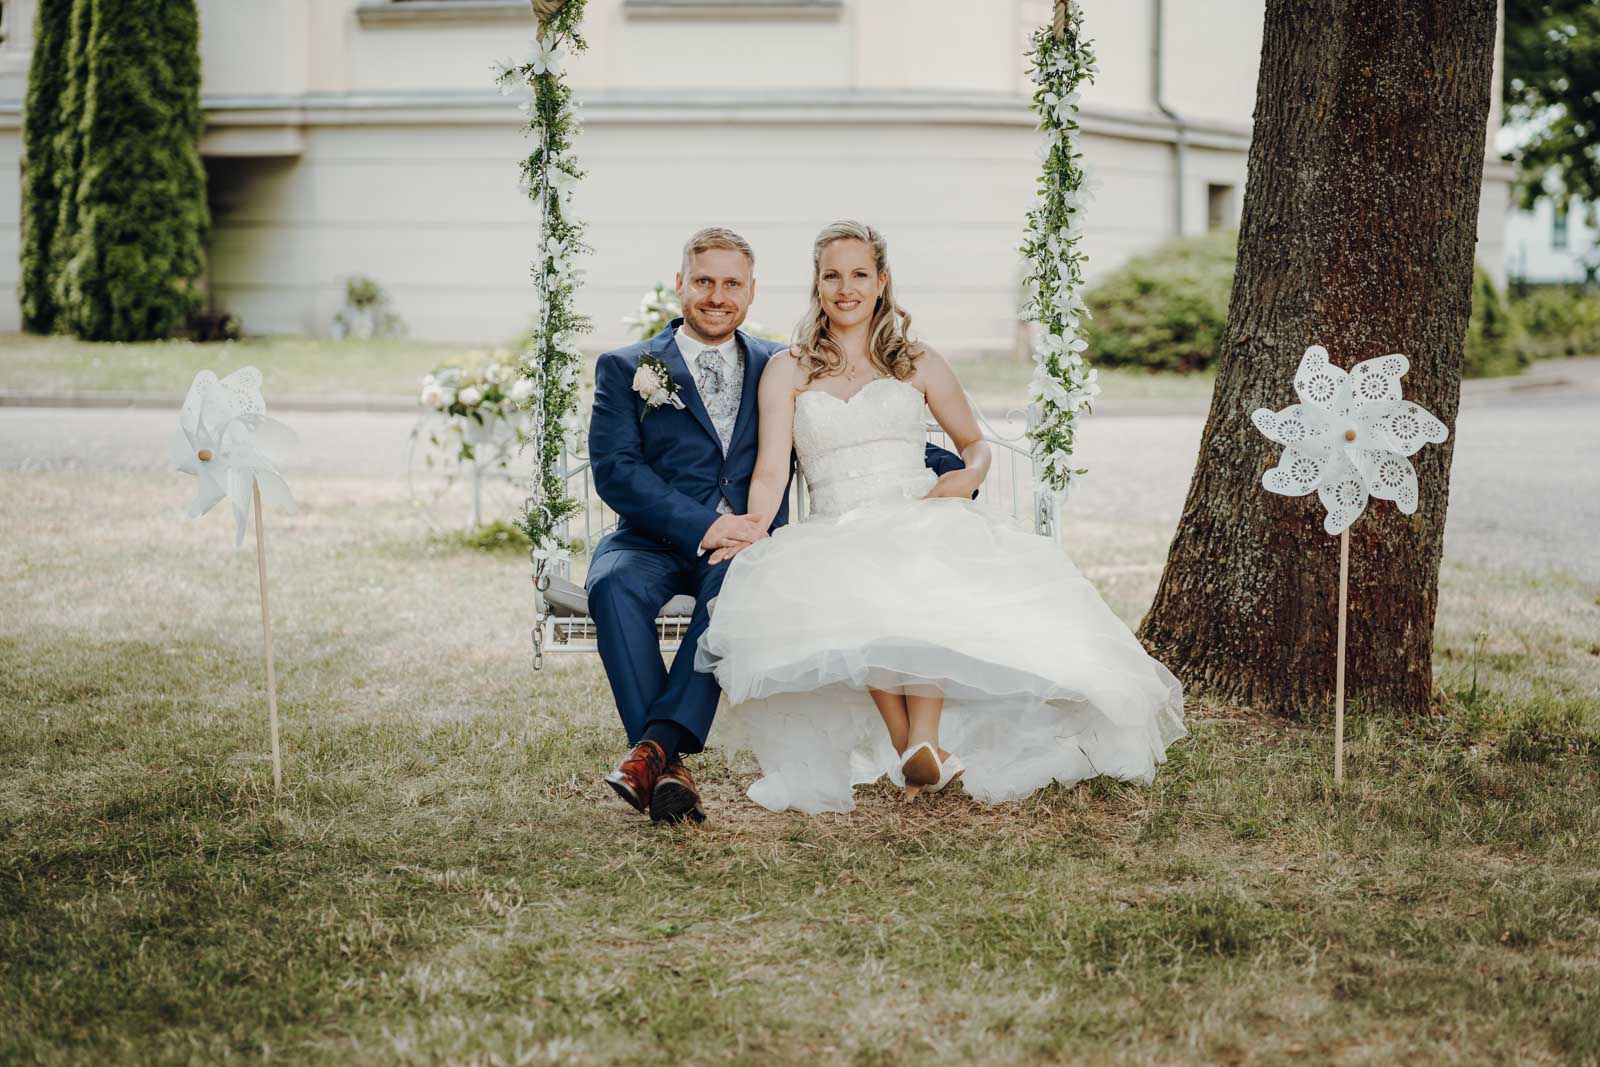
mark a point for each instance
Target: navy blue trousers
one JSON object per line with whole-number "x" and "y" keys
{"x": 628, "y": 587}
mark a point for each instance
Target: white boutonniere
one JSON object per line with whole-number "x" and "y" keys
{"x": 654, "y": 383}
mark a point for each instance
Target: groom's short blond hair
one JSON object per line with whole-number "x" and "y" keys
{"x": 716, "y": 237}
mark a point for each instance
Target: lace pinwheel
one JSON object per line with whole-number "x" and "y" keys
{"x": 1349, "y": 438}
{"x": 226, "y": 439}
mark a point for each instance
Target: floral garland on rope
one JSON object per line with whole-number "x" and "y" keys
{"x": 551, "y": 356}
{"x": 1062, "y": 386}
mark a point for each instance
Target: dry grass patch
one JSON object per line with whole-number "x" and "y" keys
{"x": 446, "y": 880}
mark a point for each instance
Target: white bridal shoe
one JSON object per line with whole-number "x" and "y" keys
{"x": 922, "y": 770}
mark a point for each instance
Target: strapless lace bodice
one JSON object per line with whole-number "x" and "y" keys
{"x": 865, "y": 450}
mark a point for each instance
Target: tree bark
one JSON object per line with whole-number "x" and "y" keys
{"x": 1359, "y": 223}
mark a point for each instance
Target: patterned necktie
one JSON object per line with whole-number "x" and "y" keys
{"x": 721, "y": 403}
{"x": 710, "y": 362}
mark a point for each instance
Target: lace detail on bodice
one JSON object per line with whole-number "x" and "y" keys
{"x": 865, "y": 450}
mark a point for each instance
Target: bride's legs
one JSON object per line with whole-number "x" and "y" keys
{"x": 922, "y": 721}
{"x": 892, "y": 706}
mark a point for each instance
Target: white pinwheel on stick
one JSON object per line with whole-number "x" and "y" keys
{"x": 1349, "y": 439}
{"x": 226, "y": 440}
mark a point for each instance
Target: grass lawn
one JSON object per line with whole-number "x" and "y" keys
{"x": 446, "y": 880}
{"x": 310, "y": 367}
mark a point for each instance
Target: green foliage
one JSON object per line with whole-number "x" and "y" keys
{"x": 67, "y": 153}
{"x": 1062, "y": 62}
{"x": 1495, "y": 344}
{"x": 1552, "y": 88}
{"x": 1560, "y": 321}
{"x": 550, "y": 173}
{"x": 495, "y": 536}
{"x": 40, "y": 168}
{"x": 1164, "y": 310}
{"x": 128, "y": 248}
{"x": 366, "y": 314}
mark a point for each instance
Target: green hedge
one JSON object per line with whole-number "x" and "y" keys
{"x": 116, "y": 215}
{"x": 1165, "y": 311}
{"x": 1560, "y": 320}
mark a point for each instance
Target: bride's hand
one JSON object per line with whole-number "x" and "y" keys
{"x": 960, "y": 484}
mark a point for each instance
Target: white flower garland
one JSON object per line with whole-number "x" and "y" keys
{"x": 552, "y": 357}
{"x": 1062, "y": 386}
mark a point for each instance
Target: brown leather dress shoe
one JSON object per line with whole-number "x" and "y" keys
{"x": 635, "y": 777}
{"x": 675, "y": 797}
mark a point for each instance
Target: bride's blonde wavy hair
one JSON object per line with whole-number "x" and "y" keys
{"x": 890, "y": 346}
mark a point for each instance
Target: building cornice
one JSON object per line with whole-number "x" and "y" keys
{"x": 273, "y": 125}
{"x": 630, "y": 107}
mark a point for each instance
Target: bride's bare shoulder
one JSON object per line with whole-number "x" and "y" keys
{"x": 782, "y": 367}
{"x": 932, "y": 368}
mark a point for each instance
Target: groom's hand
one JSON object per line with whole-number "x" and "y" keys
{"x": 728, "y": 531}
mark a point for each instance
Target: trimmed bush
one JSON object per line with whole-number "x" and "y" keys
{"x": 46, "y": 82}
{"x": 1495, "y": 345}
{"x": 136, "y": 215}
{"x": 1560, "y": 320}
{"x": 1165, "y": 311}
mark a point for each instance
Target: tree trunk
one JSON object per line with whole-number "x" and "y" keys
{"x": 1360, "y": 218}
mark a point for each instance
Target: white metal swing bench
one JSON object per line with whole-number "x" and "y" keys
{"x": 562, "y": 622}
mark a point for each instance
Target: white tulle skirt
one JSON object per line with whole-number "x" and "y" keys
{"x": 1042, "y": 682}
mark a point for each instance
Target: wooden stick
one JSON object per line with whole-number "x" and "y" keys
{"x": 266, "y": 634}
{"x": 1338, "y": 710}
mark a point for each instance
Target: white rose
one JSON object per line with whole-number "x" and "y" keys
{"x": 491, "y": 373}
{"x": 471, "y": 395}
{"x": 659, "y": 397}
{"x": 522, "y": 390}
{"x": 433, "y": 396}
{"x": 646, "y": 382}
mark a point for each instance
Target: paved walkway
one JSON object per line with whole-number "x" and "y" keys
{"x": 1525, "y": 481}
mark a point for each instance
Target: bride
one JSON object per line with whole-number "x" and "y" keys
{"x": 901, "y": 629}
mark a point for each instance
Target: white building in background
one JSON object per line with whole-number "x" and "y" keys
{"x": 366, "y": 137}
{"x": 1553, "y": 243}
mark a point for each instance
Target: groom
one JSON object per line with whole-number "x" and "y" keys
{"x": 673, "y": 443}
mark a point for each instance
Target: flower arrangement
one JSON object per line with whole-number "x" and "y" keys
{"x": 477, "y": 401}
{"x": 659, "y": 307}
{"x": 1062, "y": 386}
{"x": 549, "y": 362}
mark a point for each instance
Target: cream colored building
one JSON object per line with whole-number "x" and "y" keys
{"x": 366, "y": 137}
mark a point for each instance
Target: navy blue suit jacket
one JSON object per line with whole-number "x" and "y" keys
{"x": 664, "y": 472}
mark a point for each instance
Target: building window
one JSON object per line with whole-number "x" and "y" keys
{"x": 1219, "y": 207}
{"x": 1558, "y": 226}
{"x": 825, "y": 10}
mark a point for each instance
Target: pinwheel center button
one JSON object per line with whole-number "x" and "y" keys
{"x": 1349, "y": 435}
{"x": 205, "y": 455}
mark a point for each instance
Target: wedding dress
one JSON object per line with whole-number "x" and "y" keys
{"x": 881, "y": 588}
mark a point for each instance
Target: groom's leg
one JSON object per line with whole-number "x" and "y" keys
{"x": 690, "y": 697}
{"x": 627, "y": 589}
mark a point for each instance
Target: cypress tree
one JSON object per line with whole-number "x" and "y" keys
{"x": 140, "y": 207}
{"x": 66, "y": 153}
{"x": 46, "y": 77}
